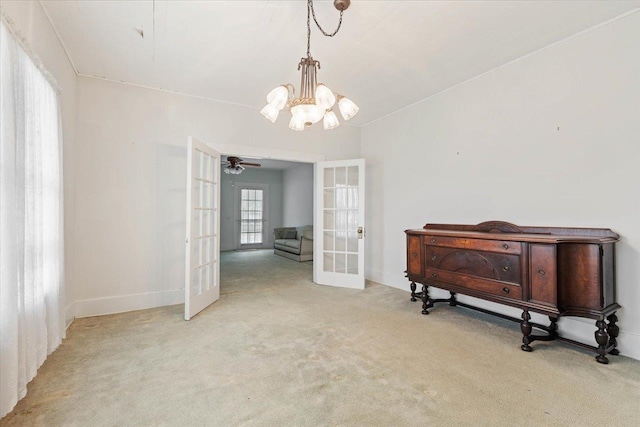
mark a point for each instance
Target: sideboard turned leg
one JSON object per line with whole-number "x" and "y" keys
{"x": 602, "y": 338}
{"x": 425, "y": 299}
{"x": 526, "y": 328}
{"x": 613, "y": 331}
{"x": 413, "y": 291}
{"x": 452, "y": 300}
{"x": 553, "y": 327}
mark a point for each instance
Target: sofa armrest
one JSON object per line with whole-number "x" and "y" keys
{"x": 306, "y": 245}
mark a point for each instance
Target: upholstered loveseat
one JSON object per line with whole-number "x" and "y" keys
{"x": 295, "y": 243}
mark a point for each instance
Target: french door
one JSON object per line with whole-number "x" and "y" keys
{"x": 202, "y": 276}
{"x": 339, "y": 223}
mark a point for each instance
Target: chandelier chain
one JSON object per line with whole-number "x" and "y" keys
{"x": 311, "y": 12}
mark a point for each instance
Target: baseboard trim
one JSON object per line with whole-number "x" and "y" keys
{"x": 123, "y": 303}
{"x": 69, "y": 314}
{"x": 629, "y": 344}
{"x": 578, "y": 329}
{"x": 382, "y": 278}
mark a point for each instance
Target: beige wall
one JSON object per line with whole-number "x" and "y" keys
{"x": 29, "y": 19}
{"x": 297, "y": 198}
{"x": 552, "y": 139}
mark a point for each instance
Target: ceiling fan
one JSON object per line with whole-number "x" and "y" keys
{"x": 235, "y": 165}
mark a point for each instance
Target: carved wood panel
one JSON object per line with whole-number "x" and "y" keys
{"x": 501, "y": 267}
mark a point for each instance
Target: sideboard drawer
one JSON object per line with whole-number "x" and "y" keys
{"x": 489, "y": 265}
{"x": 499, "y": 246}
{"x": 475, "y": 283}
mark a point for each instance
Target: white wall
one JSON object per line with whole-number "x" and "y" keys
{"x": 131, "y": 181}
{"x": 298, "y": 196}
{"x": 229, "y": 200}
{"x": 552, "y": 139}
{"x": 29, "y": 19}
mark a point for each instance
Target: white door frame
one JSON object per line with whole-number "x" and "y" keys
{"x": 267, "y": 153}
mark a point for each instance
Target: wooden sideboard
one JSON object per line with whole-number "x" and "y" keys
{"x": 549, "y": 270}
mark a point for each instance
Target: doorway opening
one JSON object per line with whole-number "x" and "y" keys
{"x": 335, "y": 221}
{"x": 266, "y": 223}
{"x": 335, "y": 196}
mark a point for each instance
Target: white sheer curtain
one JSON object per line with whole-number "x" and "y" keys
{"x": 31, "y": 237}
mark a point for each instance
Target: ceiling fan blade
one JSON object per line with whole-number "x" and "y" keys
{"x": 251, "y": 164}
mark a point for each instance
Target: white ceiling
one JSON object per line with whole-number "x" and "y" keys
{"x": 388, "y": 54}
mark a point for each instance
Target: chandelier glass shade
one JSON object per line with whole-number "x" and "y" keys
{"x": 315, "y": 101}
{"x": 330, "y": 120}
{"x": 270, "y": 112}
{"x": 347, "y": 107}
{"x": 324, "y": 97}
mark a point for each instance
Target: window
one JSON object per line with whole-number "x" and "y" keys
{"x": 251, "y": 216}
{"x": 31, "y": 249}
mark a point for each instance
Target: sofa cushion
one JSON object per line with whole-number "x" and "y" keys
{"x": 289, "y": 234}
{"x": 292, "y": 243}
{"x": 289, "y": 249}
{"x": 278, "y": 233}
{"x": 286, "y": 249}
{"x": 281, "y": 242}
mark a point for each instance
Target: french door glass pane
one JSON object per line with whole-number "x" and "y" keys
{"x": 340, "y": 220}
{"x": 204, "y": 223}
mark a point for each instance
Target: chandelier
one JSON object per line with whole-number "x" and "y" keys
{"x": 315, "y": 101}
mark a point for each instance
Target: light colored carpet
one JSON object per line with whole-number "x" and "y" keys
{"x": 278, "y": 350}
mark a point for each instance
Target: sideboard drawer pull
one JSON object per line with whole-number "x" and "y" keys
{"x": 433, "y": 257}
{"x": 433, "y": 240}
{"x": 541, "y": 272}
{"x": 505, "y": 290}
{"x": 506, "y": 268}
{"x": 434, "y": 275}
{"x": 505, "y": 246}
